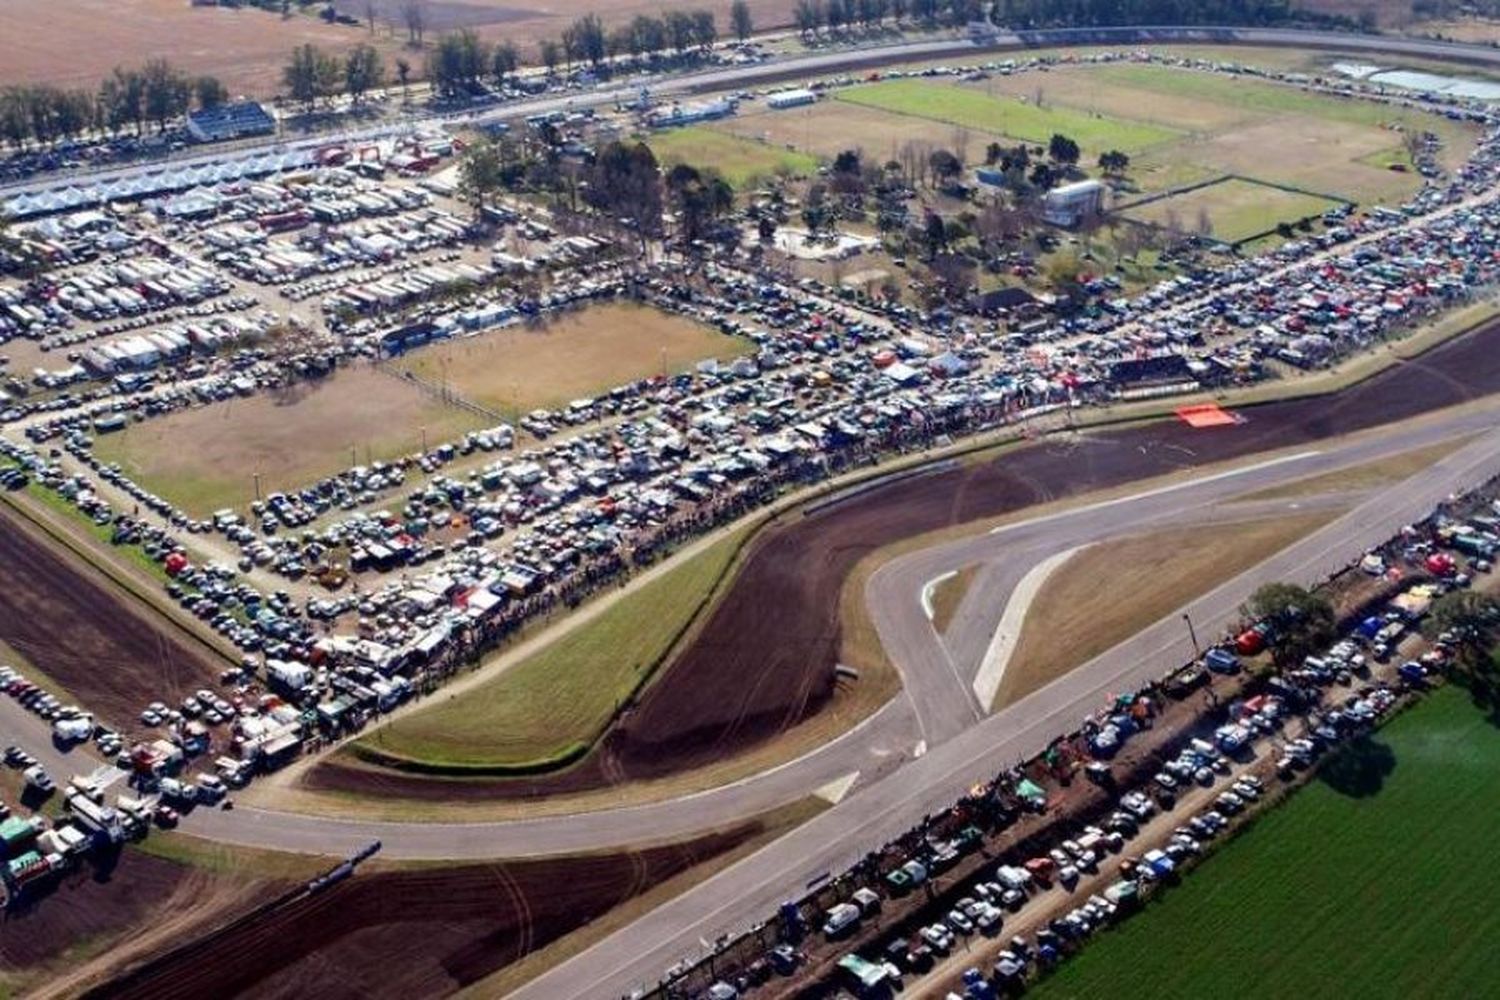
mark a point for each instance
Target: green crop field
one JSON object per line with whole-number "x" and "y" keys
{"x": 741, "y": 161}
{"x": 1374, "y": 881}
{"x": 1005, "y": 116}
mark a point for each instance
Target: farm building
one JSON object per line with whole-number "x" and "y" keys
{"x": 230, "y": 121}
{"x": 791, "y": 99}
{"x": 1066, "y": 205}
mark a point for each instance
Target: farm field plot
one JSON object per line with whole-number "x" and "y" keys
{"x": 1365, "y": 884}
{"x": 1234, "y": 209}
{"x": 958, "y": 105}
{"x": 87, "y": 638}
{"x": 741, "y": 160}
{"x": 577, "y": 354}
{"x": 79, "y": 42}
{"x": 204, "y": 459}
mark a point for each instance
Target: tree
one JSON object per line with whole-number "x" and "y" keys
{"x": 817, "y": 213}
{"x": 209, "y": 92}
{"x": 649, "y": 34}
{"x": 1301, "y": 620}
{"x": 505, "y": 60}
{"x": 681, "y": 30}
{"x": 1470, "y": 620}
{"x": 699, "y": 199}
{"x": 1113, "y": 162}
{"x": 363, "y": 71}
{"x": 625, "y": 182}
{"x": 809, "y": 17}
{"x": 740, "y": 20}
{"x": 1042, "y": 176}
{"x": 403, "y": 74}
{"x": 589, "y": 39}
{"x": 1063, "y": 150}
{"x": 551, "y": 54}
{"x": 301, "y": 75}
{"x": 414, "y": 17}
{"x": 166, "y": 91}
{"x": 934, "y": 233}
{"x": 479, "y": 173}
{"x": 705, "y": 30}
{"x": 945, "y": 166}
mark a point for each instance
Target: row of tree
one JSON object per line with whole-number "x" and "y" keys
{"x": 156, "y": 93}
{"x": 315, "y": 75}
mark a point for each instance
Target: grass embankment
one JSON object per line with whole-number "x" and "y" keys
{"x": 548, "y": 710}
{"x": 1371, "y": 882}
{"x": 1368, "y": 476}
{"x": 1073, "y": 618}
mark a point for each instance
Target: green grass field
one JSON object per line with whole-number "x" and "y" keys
{"x": 561, "y": 698}
{"x": 970, "y": 109}
{"x": 1236, "y": 209}
{"x": 741, "y": 161}
{"x": 1374, "y": 881}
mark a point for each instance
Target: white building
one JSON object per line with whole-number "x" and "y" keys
{"x": 791, "y": 99}
{"x": 1064, "y": 206}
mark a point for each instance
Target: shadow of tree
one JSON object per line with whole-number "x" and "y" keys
{"x": 1484, "y": 692}
{"x": 1359, "y": 769}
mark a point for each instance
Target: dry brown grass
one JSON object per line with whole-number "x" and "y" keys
{"x": 578, "y": 354}
{"x": 205, "y": 458}
{"x": 1381, "y": 472}
{"x": 1113, "y": 590}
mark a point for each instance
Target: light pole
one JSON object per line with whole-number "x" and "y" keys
{"x": 1191, "y": 633}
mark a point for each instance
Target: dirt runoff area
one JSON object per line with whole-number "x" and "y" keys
{"x": 58, "y": 945}
{"x": 578, "y": 354}
{"x": 206, "y": 458}
{"x": 107, "y": 651}
{"x": 764, "y": 660}
{"x": 423, "y": 931}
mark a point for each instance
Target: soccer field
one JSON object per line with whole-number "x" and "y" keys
{"x": 1374, "y": 881}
